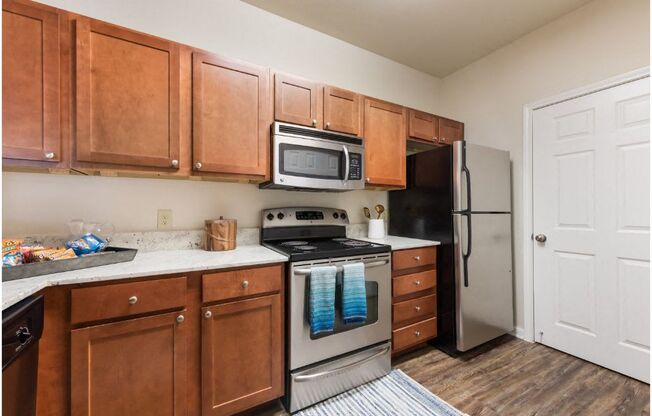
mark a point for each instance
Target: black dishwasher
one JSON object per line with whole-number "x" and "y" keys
{"x": 22, "y": 326}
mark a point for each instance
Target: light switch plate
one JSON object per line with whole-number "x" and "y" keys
{"x": 164, "y": 219}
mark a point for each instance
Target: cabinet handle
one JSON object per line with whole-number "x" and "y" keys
{"x": 417, "y": 282}
{"x": 328, "y": 125}
{"x": 197, "y": 165}
{"x": 174, "y": 163}
{"x": 417, "y": 308}
{"x": 417, "y": 258}
{"x": 314, "y": 122}
{"x": 181, "y": 318}
{"x": 367, "y": 179}
{"x": 245, "y": 284}
{"x": 208, "y": 314}
{"x": 49, "y": 155}
{"x": 417, "y": 334}
{"x": 133, "y": 300}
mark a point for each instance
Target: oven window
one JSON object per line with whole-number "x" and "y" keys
{"x": 310, "y": 162}
{"x": 340, "y": 326}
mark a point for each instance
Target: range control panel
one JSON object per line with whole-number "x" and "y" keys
{"x": 301, "y": 216}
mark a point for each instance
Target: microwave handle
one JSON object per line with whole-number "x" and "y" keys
{"x": 346, "y": 163}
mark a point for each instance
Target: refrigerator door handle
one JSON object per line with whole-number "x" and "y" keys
{"x": 468, "y": 185}
{"x": 465, "y": 256}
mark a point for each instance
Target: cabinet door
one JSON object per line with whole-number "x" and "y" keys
{"x": 127, "y": 95}
{"x": 130, "y": 368}
{"x": 422, "y": 126}
{"x": 231, "y": 116}
{"x": 30, "y": 82}
{"x": 450, "y": 130}
{"x": 342, "y": 110}
{"x": 297, "y": 100}
{"x": 242, "y": 355}
{"x": 385, "y": 143}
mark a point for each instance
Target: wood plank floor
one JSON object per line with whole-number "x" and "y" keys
{"x": 512, "y": 377}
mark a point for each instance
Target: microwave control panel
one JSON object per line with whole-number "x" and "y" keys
{"x": 355, "y": 166}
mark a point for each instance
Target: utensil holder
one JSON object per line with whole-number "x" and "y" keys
{"x": 376, "y": 228}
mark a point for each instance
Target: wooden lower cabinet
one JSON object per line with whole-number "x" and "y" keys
{"x": 134, "y": 367}
{"x": 242, "y": 354}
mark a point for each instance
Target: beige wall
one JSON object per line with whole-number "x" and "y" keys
{"x": 35, "y": 203}
{"x": 602, "y": 39}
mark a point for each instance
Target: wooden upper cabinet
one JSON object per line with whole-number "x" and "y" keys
{"x": 231, "y": 116}
{"x": 127, "y": 97}
{"x": 133, "y": 367}
{"x": 242, "y": 354}
{"x": 297, "y": 100}
{"x": 385, "y": 143}
{"x": 422, "y": 126}
{"x": 31, "y": 116}
{"x": 342, "y": 110}
{"x": 450, "y": 130}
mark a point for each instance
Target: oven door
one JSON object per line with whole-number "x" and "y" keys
{"x": 307, "y": 349}
{"x": 317, "y": 164}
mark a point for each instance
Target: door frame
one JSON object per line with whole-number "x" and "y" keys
{"x": 527, "y": 332}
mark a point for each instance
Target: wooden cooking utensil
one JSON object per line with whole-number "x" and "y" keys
{"x": 367, "y": 213}
{"x": 379, "y": 209}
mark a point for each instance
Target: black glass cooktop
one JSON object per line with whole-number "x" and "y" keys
{"x": 325, "y": 248}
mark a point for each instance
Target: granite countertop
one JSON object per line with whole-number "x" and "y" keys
{"x": 401, "y": 243}
{"x": 144, "y": 264}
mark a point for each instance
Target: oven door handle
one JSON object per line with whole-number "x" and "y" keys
{"x": 347, "y": 162}
{"x": 369, "y": 265}
{"x": 345, "y": 367}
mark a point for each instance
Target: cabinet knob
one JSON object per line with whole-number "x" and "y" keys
{"x": 245, "y": 284}
{"x": 367, "y": 179}
{"x": 314, "y": 122}
{"x": 417, "y": 308}
{"x": 417, "y": 334}
{"x": 197, "y": 165}
{"x": 133, "y": 300}
{"x": 181, "y": 318}
{"x": 417, "y": 282}
{"x": 328, "y": 125}
{"x": 174, "y": 163}
{"x": 49, "y": 155}
{"x": 208, "y": 314}
{"x": 417, "y": 258}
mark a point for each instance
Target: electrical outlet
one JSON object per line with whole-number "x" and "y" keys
{"x": 164, "y": 219}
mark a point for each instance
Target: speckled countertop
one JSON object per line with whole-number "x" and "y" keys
{"x": 401, "y": 243}
{"x": 144, "y": 264}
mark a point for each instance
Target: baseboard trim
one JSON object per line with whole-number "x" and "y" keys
{"x": 519, "y": 332}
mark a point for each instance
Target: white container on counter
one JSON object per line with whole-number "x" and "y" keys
{"x": 376, "y": 228}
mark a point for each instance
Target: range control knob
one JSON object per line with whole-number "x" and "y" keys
{"x": 343, "y": 215}
{"x": 336, "y": 215}
{"x": 280, "y": 216}
{"x": 270, "y": 216}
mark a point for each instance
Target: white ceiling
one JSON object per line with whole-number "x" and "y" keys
{"x": 434, "y": 36}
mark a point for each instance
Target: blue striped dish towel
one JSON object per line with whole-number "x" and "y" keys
{"x": 322, "y": 299}
{"x": 354, "y": 294}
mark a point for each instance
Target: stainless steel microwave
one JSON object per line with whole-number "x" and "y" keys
{"x": 304, "y": 158}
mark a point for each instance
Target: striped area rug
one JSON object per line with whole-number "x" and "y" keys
{"x": 396, "y": 394}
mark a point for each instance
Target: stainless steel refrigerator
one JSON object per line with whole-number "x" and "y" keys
{"x": 461, "y": 196}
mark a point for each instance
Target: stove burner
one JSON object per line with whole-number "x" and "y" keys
{"x": 305, "y": 248}
{"x": 294, "y": 243}
{"x": 355, "y": 243}
{"x": 340, "y": 239}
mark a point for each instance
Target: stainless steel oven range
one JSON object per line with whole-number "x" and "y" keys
{"x": 323, "y": 365}
{"x": 304, "y": 158}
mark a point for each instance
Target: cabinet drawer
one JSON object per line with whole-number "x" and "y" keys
{"x": 414, "y": 309}
{"x": 416, "y": 257}
{"x": 239, "y": 283}
{"x": 413, "y": 283}
{"x": 124, "y": 299}
{"x": 414, "y": 334}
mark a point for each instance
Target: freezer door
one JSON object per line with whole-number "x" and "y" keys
{"x": 483, "y": 253}
{"x": 488, "y": 172}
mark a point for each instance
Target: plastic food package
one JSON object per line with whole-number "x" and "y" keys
{"x": 89, "y": 243}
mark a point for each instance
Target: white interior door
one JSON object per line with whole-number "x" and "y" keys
{"x": 591, "y": 188}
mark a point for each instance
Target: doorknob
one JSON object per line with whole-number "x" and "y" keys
{"x": 541, "y": 238}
